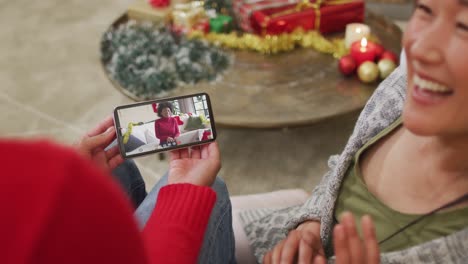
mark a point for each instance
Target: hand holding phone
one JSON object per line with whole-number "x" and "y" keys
{"x": 165, "y": 124}
{"x": 93, "y": 145}
{"x": 198, "y": 165}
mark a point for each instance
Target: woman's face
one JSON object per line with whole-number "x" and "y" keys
{"x": 166, "y": 112}
{"x": 436, "y": 45}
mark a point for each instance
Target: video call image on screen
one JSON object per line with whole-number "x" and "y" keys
{"x": 164, "y": 125}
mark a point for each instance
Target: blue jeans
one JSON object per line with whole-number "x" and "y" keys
{"x": 129, "y": 177}
{"x": 218, "y": 243}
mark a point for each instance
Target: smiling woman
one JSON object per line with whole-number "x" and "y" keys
{"x": 405, "y": 166}
{"x": 436, "y": 42}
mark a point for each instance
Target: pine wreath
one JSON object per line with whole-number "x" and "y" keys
{"x": 148, "y": 59}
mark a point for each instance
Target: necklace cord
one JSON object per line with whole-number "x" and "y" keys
{"x": 459, "y": 200}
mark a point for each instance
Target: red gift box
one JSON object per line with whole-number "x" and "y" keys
{"x": 325, "y": 16}
{"x": 243, "y": 9}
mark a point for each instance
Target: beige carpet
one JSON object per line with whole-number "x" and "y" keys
{"x": 52, "y": 86}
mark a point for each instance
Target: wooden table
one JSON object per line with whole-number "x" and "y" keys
{"x": 290, "y": 89}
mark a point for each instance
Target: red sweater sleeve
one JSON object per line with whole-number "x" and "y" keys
{"x": 174, "y": 233}
{"x": 58, "y": 208}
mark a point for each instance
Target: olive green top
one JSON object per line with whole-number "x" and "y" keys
{"x": 356, "y": 198}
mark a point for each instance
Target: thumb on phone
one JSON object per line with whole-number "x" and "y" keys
{"x": 99, "y": 141}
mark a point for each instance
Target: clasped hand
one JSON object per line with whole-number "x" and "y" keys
{"x": 303, "y": 245}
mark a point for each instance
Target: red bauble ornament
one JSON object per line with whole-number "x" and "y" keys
{"x": 347, "y": 65}
{"x": 378, "y": 50}
{"x": 389, "y": 56}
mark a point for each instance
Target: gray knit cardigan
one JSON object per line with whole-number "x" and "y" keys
{"x": 265, "y": 228}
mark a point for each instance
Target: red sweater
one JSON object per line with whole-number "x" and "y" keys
{"x": 166, "y": 127}
{"x": 58, "y": 208}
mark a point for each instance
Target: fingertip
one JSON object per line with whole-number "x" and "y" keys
{"x": 108, "y": 119}
{"x": 345, "y": 216}
{"x": 367, "y": 219}
{"x": 368, "y": 226}
{"x": 338, "y": 232}
{"x": 184, "y": 153}
{"x": 319, "y": 260}
{"x": 213, "y": 146}
{"x": 110, "y": 132}
{"x": 267, "y": 258}
{"x": 174, "y": 154}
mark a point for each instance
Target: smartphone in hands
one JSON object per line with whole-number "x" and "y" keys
{"x": 164, "y": 124}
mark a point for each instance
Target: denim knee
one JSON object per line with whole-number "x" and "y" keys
{"x": 222, "y": 193}
{"x": 129, "y": 177}
{"x": 218, "y": 244}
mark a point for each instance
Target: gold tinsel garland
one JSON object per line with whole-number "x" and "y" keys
{"x": 272, "y": 44}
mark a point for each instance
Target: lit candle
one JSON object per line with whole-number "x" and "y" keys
{"x": 361, "y": 52}
{"x": 355, "y": 32}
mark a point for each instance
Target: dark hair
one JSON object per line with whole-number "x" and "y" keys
{"x": 163, "y": 105}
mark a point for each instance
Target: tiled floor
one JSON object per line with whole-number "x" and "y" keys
{"x": 52, "y": 85}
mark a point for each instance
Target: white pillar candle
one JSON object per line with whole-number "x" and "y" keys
{"x": 355, "y": 32}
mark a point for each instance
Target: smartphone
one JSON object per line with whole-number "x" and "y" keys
{"x": 164, "y": 124}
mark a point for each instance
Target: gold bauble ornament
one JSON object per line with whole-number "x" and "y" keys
{"x": 386, "y": 67}
{"x": 368, "y": 72}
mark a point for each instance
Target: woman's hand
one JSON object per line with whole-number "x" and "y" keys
{"x": 169, "y": 139}
{"x": 92, "y": 145}
{"x": 302, "y": 245}
{"x": 349, "y": 248}
{"x": 198, "y": 165}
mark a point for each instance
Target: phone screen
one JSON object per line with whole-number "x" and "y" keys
{"x": 166, "y": 124}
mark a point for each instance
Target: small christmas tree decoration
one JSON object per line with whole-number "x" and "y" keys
{"x": 347, "y": 65}
{"x": 221, "y": 24}
{"x": 368, "y": 72}
{"x": 386, "y": 67}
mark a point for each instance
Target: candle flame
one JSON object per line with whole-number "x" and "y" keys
{"x": 364, "y": 42}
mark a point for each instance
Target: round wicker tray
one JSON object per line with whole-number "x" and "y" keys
{"x": 290, "y": 89}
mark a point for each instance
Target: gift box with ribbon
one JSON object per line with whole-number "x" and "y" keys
{"x": 326, "y": 16}
{"x": 186, "y": 16}
{"x": 243, "y": 9}
{"x": 142, "y": 10}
